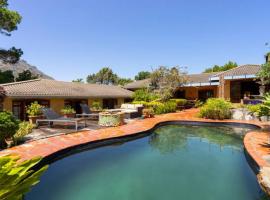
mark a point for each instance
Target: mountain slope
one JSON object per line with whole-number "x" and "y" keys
{"x": 20, "y": 66}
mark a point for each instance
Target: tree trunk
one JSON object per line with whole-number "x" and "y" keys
{"x": 262, "y": 90}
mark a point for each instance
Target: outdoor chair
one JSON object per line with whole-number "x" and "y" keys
{"x": 52, "y": 117}
{"x": 86, "y": 112}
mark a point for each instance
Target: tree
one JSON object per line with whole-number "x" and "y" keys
{"x": 165, "y": 80}
{"x": 26, "y": 75}
{"x": 9, "y": 21}
{"x": 6, "y": 77}
{"x": 142, "y": 75}
{"x": 264, "y": 77}
{"x": 78, "y": 80}
{"x": 124, "y": 81}
{"x": 104, "y": 76}
{"x": 225, "y": 67}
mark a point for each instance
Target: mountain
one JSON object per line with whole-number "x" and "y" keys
{"x": 20, "y": 66}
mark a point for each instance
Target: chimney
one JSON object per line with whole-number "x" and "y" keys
{"x": 267, "y": 57}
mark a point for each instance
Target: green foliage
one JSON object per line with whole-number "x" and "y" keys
{"x": 217, "y": 68}
{"x": 264, "y": 74}
{"x": 123, "y": 81}
{"x": 8, "y": 19}
{"x": 255, "y": 109}
{"x": 78, "y": 80}
{"x": 165, "y": 80}
{"x": 216, "y": 108}
{"x": 144, "y": 95}
{"x": 166, "y": 107}
{"x": 16, "y": 179}
{"x": 266, "y": 105}
{"x": 11, "y": 55}
{"x": 104, "y": 76}
{"x": 142, "y": 75}
{"x": 179, "y": 102}
{"x": 26, "y": 75}
{"x": 8, "y": 127}
{"x": 68, "y": 110}
{"x": 198, "y": 104}
{"x": 34, "y": 109}
{"x": 96, "y": 106}
{"x": 6, "y": 77}
{"x": 24, "y": 129}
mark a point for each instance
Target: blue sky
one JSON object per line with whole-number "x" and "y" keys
{"x": 70, "y": 39}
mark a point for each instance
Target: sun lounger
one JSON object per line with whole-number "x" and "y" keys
{"x": 52, "y": 117}
{"x": 86, "y": 112}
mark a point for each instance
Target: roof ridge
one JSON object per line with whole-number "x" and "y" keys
{"x": 218, "y": 74}
{"x": 20, "y": 82}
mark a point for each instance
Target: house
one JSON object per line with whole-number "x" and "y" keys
{"x": 233, "y": 84}
{"x": 16, "y": 96}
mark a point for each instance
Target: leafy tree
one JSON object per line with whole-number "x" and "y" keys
{"x": 142, "y": 75}
{"x": 9, "y": 21}
{"x": 104, "y": 76}
{"x": 165, "y": 80}
{"x": 10, "y": 56}
{"x": 217, "y": 68}
{"x": 78, "y": 80}
{"x": 264, "y": 77}
{"x": 124, "y": 81}
{"x": 6, "y": 77}
{"x": 26, "y": 75}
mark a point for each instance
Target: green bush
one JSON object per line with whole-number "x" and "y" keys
{"x": 255, "y": 109}
{"x": 8, "y": 127}
{"x": 96, "y": 106}
{"x": 166, "y": 107}
{"x": 68, "y": 110}
{"x": 17, "y": 179}
{"x": 24, "y": 129}
{"x": 34, "y": 109}
{"x": 266, "y": 105}
{"x": 216, "y": 108}
{"x": 179, "y": 102}
{"x": 144, "y": 95}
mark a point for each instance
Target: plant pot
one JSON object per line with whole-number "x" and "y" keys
{"x": 69, "y": 115}
{"x": 33, "y": 119}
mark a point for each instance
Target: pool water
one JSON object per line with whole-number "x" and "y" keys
{"x": 174, "y": 162}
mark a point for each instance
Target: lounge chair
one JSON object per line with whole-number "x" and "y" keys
{"x": 86, "y": 112}
{"x": 52, "y": 117}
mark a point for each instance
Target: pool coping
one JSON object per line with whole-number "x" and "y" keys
{"x": 53, "y": 147}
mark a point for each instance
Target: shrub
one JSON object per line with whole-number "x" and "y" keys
{"x": 24, "y": 129}
{"x": 34, "y": 109}
{"x": 17, "y": 179}
{"x": 179, "y": 102}
{"x": 96, "y": 106}
{"x": 166, "y": 107}
{"x": 215, "y": 108}
{"x": 266, "y": 104}
{"x": 255, "y": 109}
{"x": 8, "y": 127}
{"x": 144, "y": 95}
{"x": 144, "y": 103}
{"x": 68, "y": 110}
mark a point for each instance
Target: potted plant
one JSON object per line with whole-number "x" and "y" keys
{"x": 96, "y": 107}
{"x": 68, "y": 112}
{"x": 34, "y": 112}
{"x": 148, "y": 113}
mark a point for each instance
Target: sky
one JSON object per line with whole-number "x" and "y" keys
{"x": 69, "y": 39}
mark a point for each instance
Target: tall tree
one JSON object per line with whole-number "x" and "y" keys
{"x": 225, "y": 67}
{"x": 25, "y": 76}
{"x": 9, "y": 21}
{"x": 104, "y": 76}
{"x": 165, "y": 80}
{"x": 124, "y": 81}
{"x": 6, "y": 77}
{"x": 142, "y": 75}
{"x": 264, "y": 77}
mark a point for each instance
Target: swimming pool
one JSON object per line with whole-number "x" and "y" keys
{"x": 172, "y": 162}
